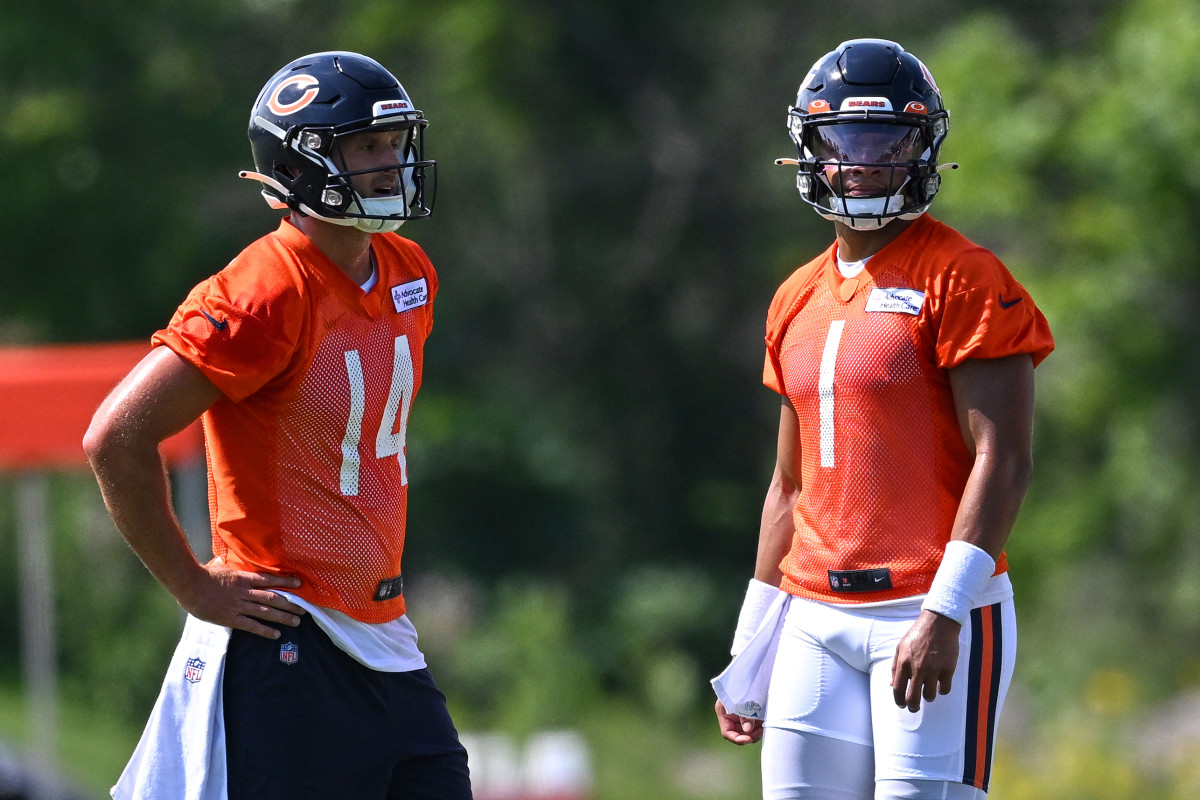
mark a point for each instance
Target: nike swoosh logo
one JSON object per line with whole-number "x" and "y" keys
{"x": 1008, "y": 303}
{"x": 223, "y": 324}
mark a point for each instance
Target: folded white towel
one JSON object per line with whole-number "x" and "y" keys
{"x": 742, "y": 687}
{"x": 181, "y": 754}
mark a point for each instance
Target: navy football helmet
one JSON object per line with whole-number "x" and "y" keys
{"x": 868, "y": 124}
{"x": 299, "y": 122}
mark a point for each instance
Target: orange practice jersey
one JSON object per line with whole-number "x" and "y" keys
{"x": 306, "y": 450}
{"x": 864, "y": 362}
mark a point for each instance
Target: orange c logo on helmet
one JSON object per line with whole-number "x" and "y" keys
{"x": 916, "y": 108}
{"x": 818, "y": 107}
{"x": 307, "y": 83}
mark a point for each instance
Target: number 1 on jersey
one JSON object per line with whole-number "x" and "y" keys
{"x": 389, "y": 440}
{"x": 825, "y": 390}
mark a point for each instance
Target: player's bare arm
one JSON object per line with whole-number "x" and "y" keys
{"x": 160, "y": 397}
{"x": 776, "y": 529}
{"x": 994, "y": 403}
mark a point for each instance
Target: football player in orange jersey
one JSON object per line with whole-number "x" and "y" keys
{"x": 877, "y": 639}
{"x": 298, "y": 672}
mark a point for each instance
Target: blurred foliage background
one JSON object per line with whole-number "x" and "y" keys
{"x": 592, "y": 441}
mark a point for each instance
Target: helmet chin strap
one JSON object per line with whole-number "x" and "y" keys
{"x": 875, "y": 207}
{"x": 380, "y": 207}
{"x": 869, "y": 223}
{"x": 365, "y": 225}
{"x": 377, "y": 225}
{"x": 864, "y": 213}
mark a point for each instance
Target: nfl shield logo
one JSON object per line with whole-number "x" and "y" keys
{"x": 289, "y": 653}
{"x": 194, "y": 670}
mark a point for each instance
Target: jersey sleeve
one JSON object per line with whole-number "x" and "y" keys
{"x": 984, "y": 312}
{"x": 772, "y": 370}
{"x": 236, "y": 331}
{"x": 431, "y": 278}
{"x": 784, "y": 305}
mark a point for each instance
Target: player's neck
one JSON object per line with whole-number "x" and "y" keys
{"x": 855, "y": 244}
{"x": 348, "y": 248}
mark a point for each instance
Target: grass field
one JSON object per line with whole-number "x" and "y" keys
{"x": 637, "y": 755}
{"x": 634, "y": 756}
{"x": 92, "y": 750}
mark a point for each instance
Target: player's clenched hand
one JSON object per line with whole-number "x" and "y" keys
{"x": 738, "y": 730}
{"x": 236, "y": 599}
{"x": 925, "y": 660}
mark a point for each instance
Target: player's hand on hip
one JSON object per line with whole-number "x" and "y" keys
{"x": 243, "y": 600}
{"x": 925, "y": 660}
{"x": 736, "y": 729}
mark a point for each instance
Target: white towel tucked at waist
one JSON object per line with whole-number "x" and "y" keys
{"x": 181, "y": 754}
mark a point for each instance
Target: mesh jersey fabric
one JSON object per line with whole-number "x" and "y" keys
{"x": 864, "y": 362}
{"x": 306, "y": 450}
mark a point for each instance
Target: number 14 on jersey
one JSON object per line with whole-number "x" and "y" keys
{"x": 389, "y": 439}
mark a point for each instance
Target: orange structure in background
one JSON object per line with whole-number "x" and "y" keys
{"x": 48, "y": 394}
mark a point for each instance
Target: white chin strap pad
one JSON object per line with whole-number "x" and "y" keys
{"x": 875, "y": 207}
{"x": 363, "y": 224}
{"x": 868, "y": 212}
{"x": 378, "y": 225}
{"x": 382, "y": 207}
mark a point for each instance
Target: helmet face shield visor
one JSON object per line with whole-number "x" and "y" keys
{"x": 867, "y": 143}
{"x": 866, "y": 171}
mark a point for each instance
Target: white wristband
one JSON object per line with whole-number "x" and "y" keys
{"x": 758, "y": 599}
{"x": 960, "y": 580}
